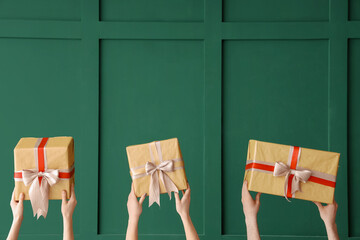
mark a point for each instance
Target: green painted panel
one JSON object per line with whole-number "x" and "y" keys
{"x": 275, "y": 10}
{"x": 354, "y": 137}
{"x": 262, "y": 80}
{"x": 277, "y": 91}
{"x": 156, "y": 10}
{"x": 40, "y": 9}
{"x": 354, "y": 10}
{"x": 39, "y": 96}
{"x": 150, "y": 90}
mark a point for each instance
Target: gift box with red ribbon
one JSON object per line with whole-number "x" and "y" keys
{"x": 44, "y": 167}
{"x": 292, "y": 172}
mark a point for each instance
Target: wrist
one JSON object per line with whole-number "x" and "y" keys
{"x": 251, "y": 220}
{"x": 134, "y": 220}
{"x": 18, "y": 219}
{"x": 67, "y": 219}
{"x": 330, "y": 225}
{"x": 184, "y": 216}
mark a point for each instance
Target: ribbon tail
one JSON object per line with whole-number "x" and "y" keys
{"x": 45, "y": 198}
{"x": 295, "y": 185}
{"x": 285, "y": 186}
{"x": 168, "y": 184}
{"x": 39, "y": 197}
{"x": 154, "y": 190}
{"x": 33, "y": 193}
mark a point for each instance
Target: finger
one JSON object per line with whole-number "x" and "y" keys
{"x": 188, "y": 186}
{"x": 72, "y": 197}
{"x": 132, "y": 193}
{"x": 244, "y": 187}
{"x": 142, "y": 198}
{"x": 245, "y": 192}
{"x": 177, "y": 198}
{"x": 187, "y": 193}
{"x": 12, "y": 197}
{"x": 318, "y": 205}
{"x": 132, "y": 190}
{"x": 63, "y": 196}
{"x": 21, "y": 198}
{"x": 257, "y": 199}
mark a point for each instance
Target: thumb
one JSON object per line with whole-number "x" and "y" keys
{"x": 12, "y": 197}
{"x": 257, "y": 198}
{"x": 244, "y": 188}
{"x": 21, "y": 198}
{"x": 63, "y": 196}
{"x": 318, "y": 205}
{"x": 177, "y": 198}
{"x": 142, "y": 198}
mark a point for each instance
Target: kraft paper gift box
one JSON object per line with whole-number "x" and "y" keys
{"x": 293, "y": 172}
{"x": 154, "y": 165}
{"x": 43, "y": 165}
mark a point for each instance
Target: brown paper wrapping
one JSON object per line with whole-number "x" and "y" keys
{"x": 59, "y": 155}
{"x": 139, "y": 155}
{"x": 321, "y": 161}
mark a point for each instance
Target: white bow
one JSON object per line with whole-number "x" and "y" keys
{"x": 154, "y": 190}
{"x": 39, "y": 191}
{"x": 282, "y": 169}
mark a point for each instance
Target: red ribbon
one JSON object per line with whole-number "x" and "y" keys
{"x": 293, "y": 164}
{"x": 41, "y": 163}
{"x": 271, "y": 169}
{"x": 294, "y": 160}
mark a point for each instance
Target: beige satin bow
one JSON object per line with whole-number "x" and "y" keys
{"x": 39, "y": 193}
{"x": 154, "y": 190}
{"x": 281, "y": 169}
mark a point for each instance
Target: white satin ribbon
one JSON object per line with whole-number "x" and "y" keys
{"x": 281, "y": 169}
{"x": 39, "y": 192}
{"x": 154, "y": 190}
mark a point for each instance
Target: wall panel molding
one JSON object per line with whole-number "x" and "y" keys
{"x": 326, "y": 30}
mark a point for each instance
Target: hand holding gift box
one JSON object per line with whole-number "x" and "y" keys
{"x": 43, "y": 168}
{"x": 293, "y": 172}
{"x": 157, "y": 167}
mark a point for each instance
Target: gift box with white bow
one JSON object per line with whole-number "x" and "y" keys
{"x": 44, "y": 167}
{"x": 157, "y": 167}
{"x": 292, "y": 172}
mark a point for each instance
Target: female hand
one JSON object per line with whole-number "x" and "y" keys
{"x": 328, "y": 212}
{"x": 183, "y": 209}
{"x": 68, "y": 207}
{"x": 17, "y": 208}
{"x": 183, "y": 204}
{"x": 67, "y": 210}
{"x": 328, "y": 215}
{"x": 134, "y": 206}
{"x": 250, "y": 206}
{"x": 134, "y": 209}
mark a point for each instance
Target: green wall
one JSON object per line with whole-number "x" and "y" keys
{"x": 213, "y": 73}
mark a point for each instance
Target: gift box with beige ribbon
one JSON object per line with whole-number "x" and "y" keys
{"x": 292, "y": 172}
{"x": 44, "y": 167}
{"x": 157, "y": 167}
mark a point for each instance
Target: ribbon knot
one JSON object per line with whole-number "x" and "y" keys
{"x": 281, "y": 169}
{"x": 162, "y": 168}
{"x": 39, "y": 189}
